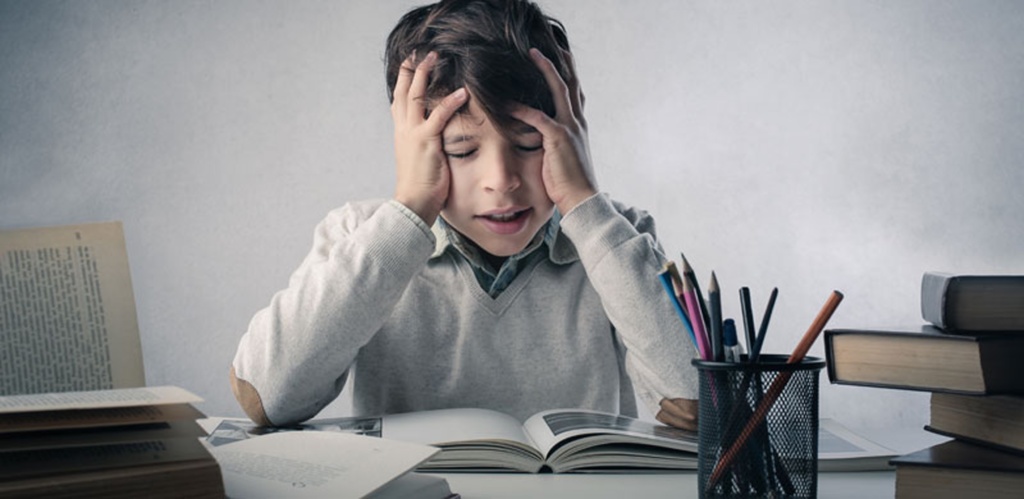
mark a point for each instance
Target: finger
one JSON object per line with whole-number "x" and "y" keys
{"x": 401, "y": 93}
{"x": 575, "y": 93}
{"x": 444, "y": 111}
{"x": 418, "y": 88}
{"x": 535, "y": 118}
{"x": 681, "y": 413}
{"x": 559, "y": 90}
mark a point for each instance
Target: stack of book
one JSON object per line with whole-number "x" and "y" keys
{"x": 134, "y": 442}
{"x": 970, "y": 356}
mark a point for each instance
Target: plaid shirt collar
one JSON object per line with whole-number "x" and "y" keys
{"x": 494, "y": 281}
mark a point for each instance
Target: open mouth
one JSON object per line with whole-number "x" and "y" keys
{"x": 506, "y": 223}
{"x": 506, "y": 217}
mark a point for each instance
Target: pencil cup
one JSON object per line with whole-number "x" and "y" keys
{"x": 758, "y": 428}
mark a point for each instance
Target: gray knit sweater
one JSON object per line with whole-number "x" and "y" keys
{"x": 381, "y": 298}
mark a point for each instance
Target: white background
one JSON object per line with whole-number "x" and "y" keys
{"x": 807, "y": 145}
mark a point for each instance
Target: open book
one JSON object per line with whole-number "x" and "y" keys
{"x": 70, "y": 312}
{"x": 569, "y": 440}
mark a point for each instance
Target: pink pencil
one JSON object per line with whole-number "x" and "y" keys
{"x": 693, "y": 310}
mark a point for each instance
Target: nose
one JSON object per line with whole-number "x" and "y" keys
{"x": 502, "y": 173}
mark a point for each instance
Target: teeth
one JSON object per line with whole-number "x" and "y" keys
{"x": 503, "y": 218}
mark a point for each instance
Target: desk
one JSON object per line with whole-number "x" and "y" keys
{"x": 847, "y": 485}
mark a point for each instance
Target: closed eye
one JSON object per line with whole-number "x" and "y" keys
{"x": 529, "y": 148}
{"x": 460, "y": 155}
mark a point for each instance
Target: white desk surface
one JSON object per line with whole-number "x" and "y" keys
{"x": 851, "y": 485}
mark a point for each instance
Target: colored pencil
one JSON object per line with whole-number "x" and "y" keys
{"x": 698, "y": 325}
{"x": 690, "y": 276}
{"x": 666, "y": 282}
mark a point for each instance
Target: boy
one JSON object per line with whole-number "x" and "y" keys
{"x": 497, "y": 276}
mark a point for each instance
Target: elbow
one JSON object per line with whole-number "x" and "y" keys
{"x": 249, "y": 399}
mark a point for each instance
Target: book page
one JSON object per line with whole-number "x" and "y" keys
{"x": 302, "y": 464}
{"x": 97, "y": 399}
{"x": 549, "y": 428}
{"x": 454, "y": 425}
{"x": 67, "y": 312}
{"x": 840, "y": 449}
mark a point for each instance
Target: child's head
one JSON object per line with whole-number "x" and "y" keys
{"x": 482, "y": 45}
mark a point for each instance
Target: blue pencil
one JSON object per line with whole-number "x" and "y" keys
{"x": 666, "y": 282}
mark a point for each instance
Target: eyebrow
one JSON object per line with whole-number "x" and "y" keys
{"x": 523, "y": 129}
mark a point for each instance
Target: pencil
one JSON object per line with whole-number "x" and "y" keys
{"x": 748, "y": 321}
{"x": 677, "y": 280}
{"x": 776, "y": 387}
{"x": 763, "y": 330}
{"x": 698, "y": 325}
{"x": 666, "y": 282}
{"x": 690, "y": 276}
{"x": 715, "y": 304}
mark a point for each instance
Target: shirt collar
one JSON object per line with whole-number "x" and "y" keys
{"x": 560, "y": 248}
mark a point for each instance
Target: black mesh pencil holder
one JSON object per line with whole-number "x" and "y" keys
{"x": 758, "y": 428}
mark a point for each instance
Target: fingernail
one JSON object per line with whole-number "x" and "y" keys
{"x": 459, "y": 94}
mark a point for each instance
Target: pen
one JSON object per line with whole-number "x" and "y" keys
{"x": 763, "y": 331}
{"x": 733, "y": 351}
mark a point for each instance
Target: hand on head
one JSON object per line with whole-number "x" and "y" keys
{"x": 568, "y": 173}
{"x": 422, "y": 176}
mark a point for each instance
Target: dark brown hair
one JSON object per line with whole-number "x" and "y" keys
{"x": 482, "y": 45}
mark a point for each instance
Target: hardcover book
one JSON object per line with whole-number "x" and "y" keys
{"x": 973, "y": 303}
{"x": 955, "y": 469}
{"x": 925, "y": 358}
{"x": 134, "y": 442}
{"x": 995, "y": 420}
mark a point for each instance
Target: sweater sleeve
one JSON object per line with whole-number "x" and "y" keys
{"x": 622, "y": 258}
{"x": 297, "y": 351}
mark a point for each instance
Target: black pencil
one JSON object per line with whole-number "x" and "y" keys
{"x": 763, "y": 330}
{"x": 748, "y": 321}
{"x": 715, "y": 301}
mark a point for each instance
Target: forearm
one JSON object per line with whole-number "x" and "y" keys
{"x": 296, "y": 352}
{"x": 622, "y": 259}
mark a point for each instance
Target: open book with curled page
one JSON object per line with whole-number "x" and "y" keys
{"x": 570, "y": 440}
{"x": 67, "y": 314}
{"x": 567, "y": 440}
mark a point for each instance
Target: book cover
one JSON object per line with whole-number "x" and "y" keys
{"x": 995, "y": 420}
{"x": 925, "y": 358}
{"x": 956, "y": 469}
{"x": 973, "y": 303}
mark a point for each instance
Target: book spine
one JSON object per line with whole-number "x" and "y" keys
{"x": 830, "y": 364}
{"x": 935, "y": 289}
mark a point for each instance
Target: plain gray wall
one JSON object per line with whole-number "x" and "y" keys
{"x": 808, "y": 145}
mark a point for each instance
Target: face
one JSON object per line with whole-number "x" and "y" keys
{"x": 497, "y": 197}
